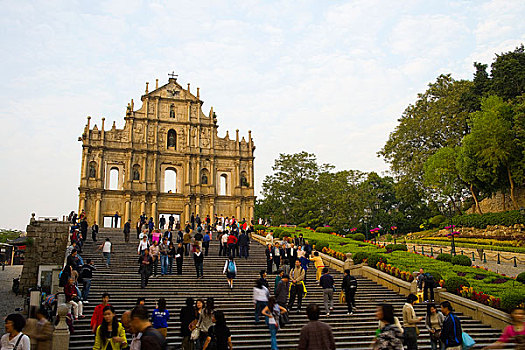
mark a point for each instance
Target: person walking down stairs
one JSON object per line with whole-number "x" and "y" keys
{"x": 219, "y": 334}
{"x": 160, "y": 317}
{"x": 106, "y": 251}
{"x": 110, "y": 334}
{"x": 198, "y": 259}
{"x": 230, "y": 269}
{"x": 145, "y": 263}
{"x": 410, "y": 322}
{"x": 315, "y": 334}
{"x": 272, "y": 311}
{"x": 297, "y": 289}
{"x": 187, "y": 316}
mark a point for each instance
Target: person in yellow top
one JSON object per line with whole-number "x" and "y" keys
{"x": 319, "y": 265}
{"x": 110, "y": 334}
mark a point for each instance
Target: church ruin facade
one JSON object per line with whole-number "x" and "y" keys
{"x": 168, "y": 159}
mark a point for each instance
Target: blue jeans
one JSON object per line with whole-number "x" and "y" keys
{"x": 259, "y": 306}
{"x": 107, "y": 256}
{"x": 163, "y": 264}
{"x": 85, "y": 290}
{"x": 273, "y": 336}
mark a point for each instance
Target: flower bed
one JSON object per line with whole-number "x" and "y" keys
{"x": 480, "y": 297}
{"x": 403, "y": 261}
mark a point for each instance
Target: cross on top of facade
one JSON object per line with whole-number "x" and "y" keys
{"x": 172, "y": 75}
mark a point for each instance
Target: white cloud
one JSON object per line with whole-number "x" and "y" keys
{"x": 329, "y": 78}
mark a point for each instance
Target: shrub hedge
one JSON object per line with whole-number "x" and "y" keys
{"x": 511, "y": 298}
{"x": 373, "y": 259}
{"x": 358, "y": 237}
{"x": 444, "y": 257}
{"x": 521, "y": 277}
{"x": 462, "y": 260}
{"x": 453, "y": 284}
{"x": 394, "y": 247}
{"x": 259, "y": 228}
{"x": 506, "y": 218}
{"x": 324, "y": 230}
{"x": 359, "y": 257}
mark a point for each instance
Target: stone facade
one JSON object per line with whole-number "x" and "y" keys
{"x": 168, "y": 139}
{"x": 48, "y": 246}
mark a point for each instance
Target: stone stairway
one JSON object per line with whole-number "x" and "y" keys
{"x": 122, "y": 281}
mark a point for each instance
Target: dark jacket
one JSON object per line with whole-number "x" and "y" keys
{"x": 180, "y": 251}
{"x": 265, "y": 283}
{"x": 198, "y": 259}
{"x": 451, "y": 333}
{"x": 268, "y": 252}
{"x": 147, "y": 267}
{"x": 151, "y": 339}
{"x": 187, "y": 315}
{"x": 281, "y": 293}
{"x": 349, "y": 284}
{"x": 244, "y": 240}
{"x": 326, "y": 281}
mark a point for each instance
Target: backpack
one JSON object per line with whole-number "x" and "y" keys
{"x": 428, "y": 279}
{"x": 231, "y": 267}
{"x": 152, "y": 332}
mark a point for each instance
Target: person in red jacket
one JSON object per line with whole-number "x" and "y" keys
{"x": 98, "y": 314}
{"x": 73, "y": 298}
{"x": 232, "y": 241}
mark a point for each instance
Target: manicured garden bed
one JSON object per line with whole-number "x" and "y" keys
{"x": 470, "y": 243}
{"x": 480, "y": 280}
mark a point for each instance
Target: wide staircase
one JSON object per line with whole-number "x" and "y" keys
{"x": 122, "y": 281}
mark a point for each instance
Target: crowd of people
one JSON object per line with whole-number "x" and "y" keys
{"x": 202, "y": 325}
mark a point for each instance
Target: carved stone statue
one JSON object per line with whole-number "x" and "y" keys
{"x": 172, "y": 139}
{"x": 244, "y": 181}
{"x": 136, "y": 175}
{"x": 204, "y": 179}
{"x": 92, "y": 171}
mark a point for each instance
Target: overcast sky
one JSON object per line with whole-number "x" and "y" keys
{"x": 327, "y": 77}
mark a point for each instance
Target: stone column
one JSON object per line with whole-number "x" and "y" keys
{"x": 238, "y": 212}
{"x": 251, "y": 213}
{"x": 97, "y": 211}
{"x": 82, "y": 202}
{"x": 212, "y": 209}
{"x": 197, "y": 206}
{"x": 61, "y": 332}
{"x": 127, "y": 211}
{"x": 186, "y": 216}
{"x": 142, "y": 207}
{"x": 154, "y": 210}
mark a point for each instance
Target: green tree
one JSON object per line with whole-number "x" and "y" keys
{"x": 441, "y": 174}
{"x": 494, "y": 140}
{"x": 437, "y": 119}
{"x": 508, "y": 74}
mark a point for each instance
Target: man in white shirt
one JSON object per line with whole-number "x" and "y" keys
{"x": 143, "y": 245}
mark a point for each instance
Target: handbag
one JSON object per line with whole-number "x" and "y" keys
{"x": 195, "y": 334}
{"x": 284, "y": 319}
{"x": 436, "y": 335}
{"x": 342, "y": 297}
{"x": 468, "y": 342}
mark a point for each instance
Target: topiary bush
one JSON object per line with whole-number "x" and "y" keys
{"x": 259, "y": 228}
{"x": 277, "y": 233}
{"x": 358, "y": 237}
{"x": 303, "y": 225}
{"x": 394, "y": 247}
{"x": 320, "y": 245}
{"x": 359, "y": 257}
{"x": 324, "y": 230}
{"x": 444, "y": 257}
{"x": 462, "y": 260}
{"x": 437, "y": 220}
{"x": 511, "y": 299}
{"x": 453, "y": 284}
{"x": 373, "y": 259}
{"x": 521, "y": 277}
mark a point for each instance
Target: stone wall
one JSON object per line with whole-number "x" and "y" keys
{"x": 500, "y": 202}
{"x": 49, "y": 242}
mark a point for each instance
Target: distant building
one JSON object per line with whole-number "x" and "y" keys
{"x": 168, "y": 159}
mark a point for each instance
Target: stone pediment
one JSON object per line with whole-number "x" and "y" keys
{"x": 172, "y": 90}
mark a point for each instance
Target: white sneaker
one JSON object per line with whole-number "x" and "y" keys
{"x": 85, "y": 302}
{"x": 327, "y": 314}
